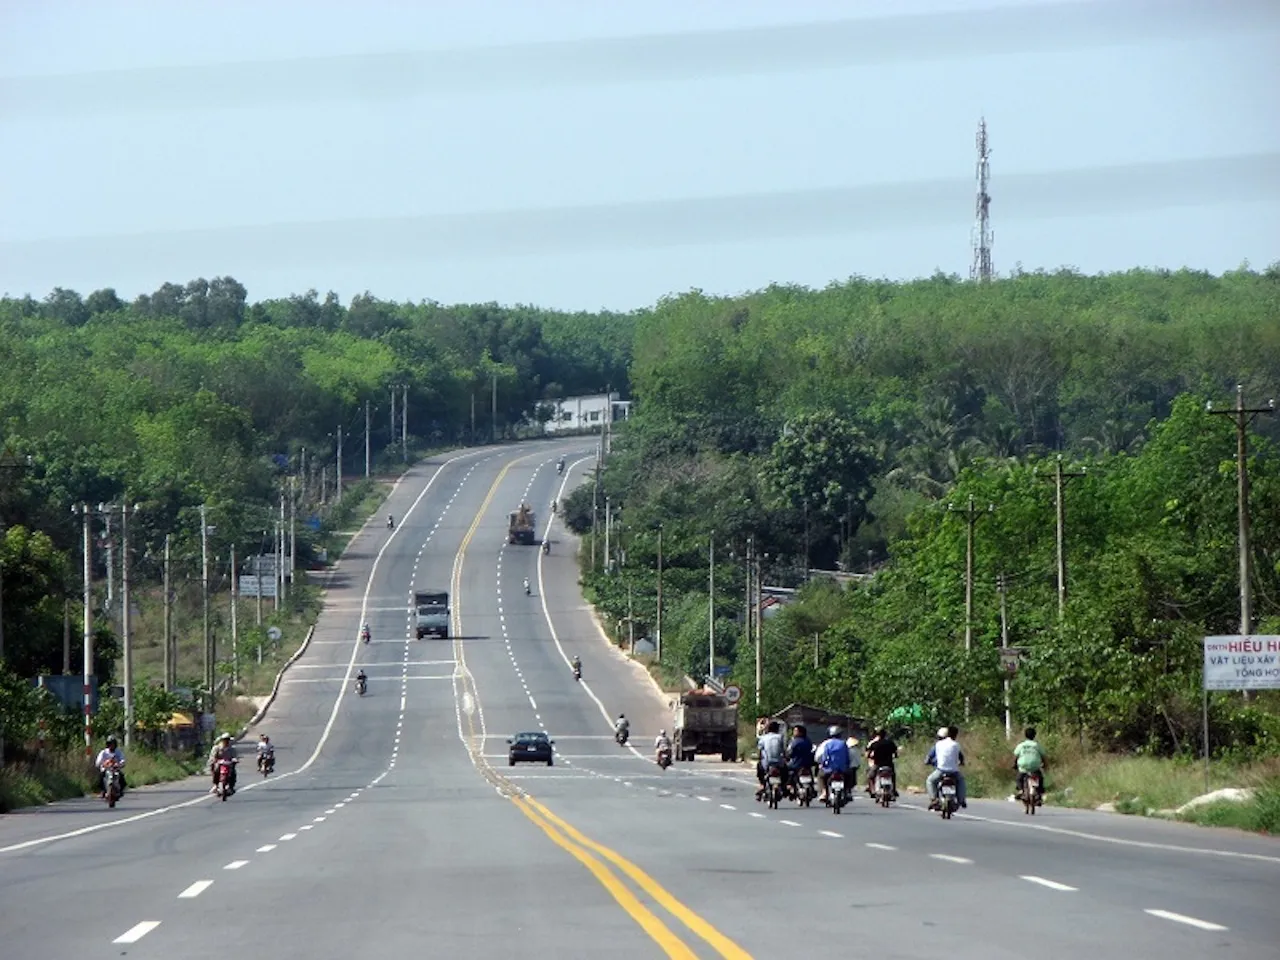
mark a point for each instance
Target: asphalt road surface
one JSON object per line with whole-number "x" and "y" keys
{"x": 395, "y": 827}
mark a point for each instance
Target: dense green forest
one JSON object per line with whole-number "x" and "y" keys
{"x": 854, "y": 423}
{"x": 192, "y": 395}
{"x": 838, "y": 429}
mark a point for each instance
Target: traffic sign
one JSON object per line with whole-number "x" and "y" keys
{"x": 733, "y": 693}
{"x": 274, "y": 633}
{"x": 724, "y": 669}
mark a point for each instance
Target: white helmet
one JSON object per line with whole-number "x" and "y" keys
{"x": 943, "y": 733}
{"x": 833, "y": 731}
{"x": 662, "y": 733}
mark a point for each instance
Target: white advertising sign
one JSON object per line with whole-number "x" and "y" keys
{"x": 1234, "y": 662}
{"x": 249, "y": 586}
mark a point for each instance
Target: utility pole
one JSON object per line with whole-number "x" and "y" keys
{"x": 981, "y": 269}
{"x": 971, "y": 520}
{"x": 125, "y": 623}
{"x": 368, "y": 443}
{"x": 275, "y": 545}
{"x": 280, "y": 590}
{"x": 338, "y": 473}
{"x": 595, "y": 515}
{"x": 494, "y": 437}
{"x": 111, "y": 563}
{"x": 87, "y": 514}
{"x": 235, "y": 626}
{"x": 658, "y": 628}
{"x": 608, "y": 531}
{"x": 1059, "y": 478}
{"x": 753, "y": 608}
{"x": 1243, "y": 416}
{"x": 168, "y": 618}
{"x": 711, "y": 618}
{"x": 404, "y": 425}
{"x": 394, "y": 388}
{"x": 473, "y": 416}
{"x": 293, "y": 531}
{"x": 1002, "y": 586}
{"x": 759, "y": 605}
{"x": 204, "y": 591}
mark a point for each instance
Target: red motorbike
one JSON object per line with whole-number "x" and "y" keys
{"x": 225, "y": 770}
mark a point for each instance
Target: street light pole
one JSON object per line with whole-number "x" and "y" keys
{"x": 971, "y": 520}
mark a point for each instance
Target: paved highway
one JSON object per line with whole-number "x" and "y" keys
{"x": 395, "y": 826}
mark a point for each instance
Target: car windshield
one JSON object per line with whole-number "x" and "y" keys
{"x": 529, "y": 737}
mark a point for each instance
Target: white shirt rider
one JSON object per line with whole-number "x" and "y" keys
{"x": 946, "y": 755}
{"x": 662, "y": 742}
{"x": 106, "y": 753}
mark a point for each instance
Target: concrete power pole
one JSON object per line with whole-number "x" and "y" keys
{"x": 204, "y": 592}
{"x": 394, "y": 388}
{"x": 1059, "y": 479}
{"x": 711, "y": 606}
{"x": 125, "y": 621}
{"x": 658, "y": 627}
{"x": 339, "y": 465}
{"x": 404, "y": 424}
{"x": 88, "y": 629}
{"x": 368, "y": 447}
{"x": 1243, "y": 416}
{"x": 971, "y": 519}
{"x": 981, "y": 269}
{"x": 235, "y": 622}
{"x": 169, "y": 670}
{"x": 494, "y": 433}
{"x": 1002, "y": 586}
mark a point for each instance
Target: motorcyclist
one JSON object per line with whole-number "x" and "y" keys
{"x": 390, "y": 522}
{"x": 799, "y": 754}
{"x": 265, "y": 751}
{"x": 832, "y": 757}
{"x": 362, "y": 681}
{"x": 1028, "y": 757}
{"x": 546, "y": 546}
{"x": 622, "y": 726}
{"x": 526, "y": 586}
{"x": 560, "y": 465}
{"x": 881, "y": 753}
{"x": 661, "y": 743}
{"x": 111, "y": 753}
{"x": 365, "y": 635}
{"x": 553, "y": 508}
{"x": 577, "y": 668}
{"x": 947, "y": 757}
{"x": 224, "y": 749}
{"x": 770, "y": 751}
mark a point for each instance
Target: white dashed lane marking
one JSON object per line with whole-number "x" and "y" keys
{"x": 1051, "y": 884}
{"x": 949, "y": 858}
{"x": 265, "y": 848}
{"x": 881, "y": 846}
{"x": 235, "y": 864}
{"x": 288, "y": 836}
{"x": 137, "y": 932}
{"x": 1182, "y": 918}
{"x": 197, "y": 888}
{"x": 832, "y": 833}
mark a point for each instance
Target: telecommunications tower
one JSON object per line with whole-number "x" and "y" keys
{"x": 980, "y": 269}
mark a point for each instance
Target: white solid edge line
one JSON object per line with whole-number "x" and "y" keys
{"x": 1182, "y": 918}
{"x": 1051, "y": 884}
{"x": 1119, "y": 841}
{"x": 546, "y": 613}
{"x": 197, "y": 888}
{"x": 137, "y": 932}
{"x": 324, "y": 736}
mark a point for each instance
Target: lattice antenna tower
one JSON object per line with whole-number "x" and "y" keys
{"x": 980, "y": 269}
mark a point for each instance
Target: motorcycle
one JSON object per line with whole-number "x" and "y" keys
{"x": 577, "y": 674}
{"x": 391, "y": 524}
{"x": 806, "y": 792}
{"x": 225, "y": 789}
{"x": 113, "y": 784}
{"x": 948, "y": 801}
{"x": 620, "y": 737}
{"x": 528, "y": 591}
{"x": 361, "y": 685}
{"x": 267, "y": 764}
{"x": 773, "y": 782}
{"x": 664, "y": 758}
{"x": 560, "y": 467}
{"x": 546, "y": 546}
{"x": 365, "y": 636}
{"x": 883, "y": 780}
{"x": 837, "y": 795}
{"x": 1032, "y": 792}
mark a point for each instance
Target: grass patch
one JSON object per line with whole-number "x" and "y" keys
{"x": 60, "y": 775}
{"x": 1260, "y": 814}
{"x": 360, "y": 501}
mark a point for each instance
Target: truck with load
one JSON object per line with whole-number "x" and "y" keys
{"x": 521, "y": 526}
{"x": 432, "y": 614}
{"x": 704, "y": 722}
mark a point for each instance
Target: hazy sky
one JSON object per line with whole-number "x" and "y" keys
{"x": 601, "y": 153}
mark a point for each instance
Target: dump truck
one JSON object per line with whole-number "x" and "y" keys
{"x": 521, "y": 527}
{"x": 432, "y": 608}
{"x": 704, "y": 722}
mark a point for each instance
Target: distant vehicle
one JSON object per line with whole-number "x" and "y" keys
{"x": 705, "y": 722}
{"x": 533, "y": 746}
{"x": 432, "y": 611}
{"x": 520, "y": 526}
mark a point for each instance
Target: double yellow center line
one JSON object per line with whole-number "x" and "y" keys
{"x": 586, "y": 851}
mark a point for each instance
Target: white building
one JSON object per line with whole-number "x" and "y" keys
{"x": 586, "y": 413}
